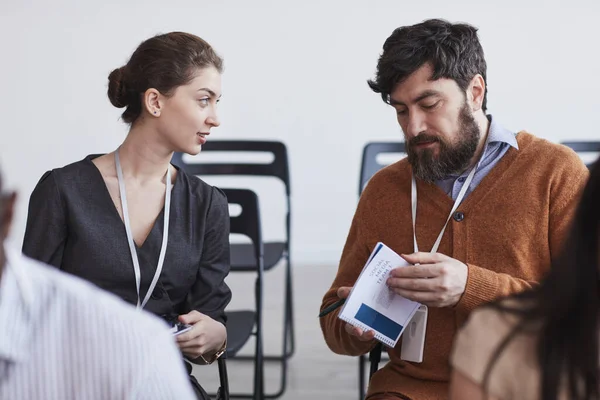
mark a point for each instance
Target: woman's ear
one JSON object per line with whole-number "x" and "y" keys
{"x": 152, "y": 102}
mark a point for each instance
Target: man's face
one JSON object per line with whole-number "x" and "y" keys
{"x": 440, "y": 131}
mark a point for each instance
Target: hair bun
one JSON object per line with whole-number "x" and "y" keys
{"x": 118, "y": 93}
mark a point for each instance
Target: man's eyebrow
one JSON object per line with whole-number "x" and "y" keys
{"x": 422, "y": 96}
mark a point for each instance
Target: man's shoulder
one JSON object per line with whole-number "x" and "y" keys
{"x": 80, "y": 300}
{"x": 543, "y": 152}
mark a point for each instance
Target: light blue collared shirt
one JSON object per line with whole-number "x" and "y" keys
{"x": 498, "y": 142}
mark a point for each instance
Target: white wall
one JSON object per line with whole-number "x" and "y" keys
{"x": 295, "y": 71}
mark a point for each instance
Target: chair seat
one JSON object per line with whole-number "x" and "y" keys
{"x": 243, "y": 259}
{"x": 240, "y": 325}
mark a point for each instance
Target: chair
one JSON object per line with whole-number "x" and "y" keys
{"x": 242, "y": 259}
{"x": 584, "y": 147}
{"x": 223, "y": 392}
{"x": 369, "y": 166}
{"x": 240, "y": 324}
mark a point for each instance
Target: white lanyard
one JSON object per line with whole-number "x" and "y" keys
{"x": 163, "y": 249}
{"x": 459, "y": 199}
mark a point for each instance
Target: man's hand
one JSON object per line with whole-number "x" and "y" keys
{"x": 364, "y": 336}
{"x": 439, "y": 281}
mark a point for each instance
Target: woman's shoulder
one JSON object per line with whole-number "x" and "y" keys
{"x": 490, "y": 340}
{"x": 199, "y": 188}
{"x": 65, "y": 176}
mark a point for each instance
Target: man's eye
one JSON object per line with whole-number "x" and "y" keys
{"x": 430, "y": 106}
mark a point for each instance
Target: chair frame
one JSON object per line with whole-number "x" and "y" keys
{"x": 584, "y": 147}
{"x": 247, "y": 223}
{"x": 369, "y": 166}
{"x": 278, "y": 168}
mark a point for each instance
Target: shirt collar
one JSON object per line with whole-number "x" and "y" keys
{"x": 15, "y": 309}
{"x": 498, "y": 134}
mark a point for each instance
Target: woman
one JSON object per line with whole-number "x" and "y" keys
{"x": 543, "y": 343}
{"x": 132, "y": 223}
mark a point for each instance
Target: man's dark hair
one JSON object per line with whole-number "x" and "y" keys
{"x": 453, "y": 50}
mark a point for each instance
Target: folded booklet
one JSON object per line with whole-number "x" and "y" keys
{"x": 371, "y": 305}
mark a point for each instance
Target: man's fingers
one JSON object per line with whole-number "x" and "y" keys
{"x": 415, "y": 271}
{"x": 413, "y": 284}
{"x": 368, "y": 335}
{"x": 344, "y": 291}
{"x": 423, "y": 258}
{"x": 427, "y": 298}
{"x": 359, "y": 333}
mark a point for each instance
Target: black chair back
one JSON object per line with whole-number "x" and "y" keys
{"x": 277, "y": 168}
{"x": 247, "y": 223}
{"x": 584, "y": 147}
{"x": 370, "y": 165}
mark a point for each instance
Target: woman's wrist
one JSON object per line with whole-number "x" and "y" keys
{"x": 211, "y": 357}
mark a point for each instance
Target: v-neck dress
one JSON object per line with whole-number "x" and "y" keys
{"x": 73, "y": 225}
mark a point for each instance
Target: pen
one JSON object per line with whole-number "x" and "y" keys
{"x": 332, "y": 307}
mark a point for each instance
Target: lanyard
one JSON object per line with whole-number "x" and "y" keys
{"x": 163, "y": 249}
{"x": 459, "y": 199}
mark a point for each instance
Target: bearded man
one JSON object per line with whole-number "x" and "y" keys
{"x": 491, "y": 207}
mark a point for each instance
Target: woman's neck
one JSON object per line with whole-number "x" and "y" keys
{"x": 143, "y": 157}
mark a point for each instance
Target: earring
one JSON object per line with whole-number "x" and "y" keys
{"x": 154, "y": 112}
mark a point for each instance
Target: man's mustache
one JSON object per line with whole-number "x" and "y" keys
{"x": 423, "y": 138}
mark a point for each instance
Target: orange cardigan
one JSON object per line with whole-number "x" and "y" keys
{"x": 515, "y": 221}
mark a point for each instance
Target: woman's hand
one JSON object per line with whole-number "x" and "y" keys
{"x": 206, "y": 337}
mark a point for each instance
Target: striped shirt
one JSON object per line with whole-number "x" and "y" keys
{"x": 498, "y": 142}
{"x": 62, "y": 338}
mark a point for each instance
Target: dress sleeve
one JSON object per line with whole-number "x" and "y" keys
{"x": 46, "y": 230}
{"x": 210, "y": 294}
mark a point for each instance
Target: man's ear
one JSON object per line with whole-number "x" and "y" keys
{"x": 476, "y": 92}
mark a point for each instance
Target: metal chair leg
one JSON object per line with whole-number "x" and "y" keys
{"x": 290, "y": 311}
{"x": 361, "y": 377}
{"x": 288, "y": 346}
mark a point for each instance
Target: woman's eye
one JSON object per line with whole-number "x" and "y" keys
{"x": 203, "y": 102}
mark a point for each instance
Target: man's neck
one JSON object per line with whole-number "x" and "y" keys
{"x": 484, "y": 126}
{"x": 143, "y": 156}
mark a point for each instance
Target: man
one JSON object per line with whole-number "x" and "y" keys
{"x": 61, "y": 338}
{"x": 519, "y": 196}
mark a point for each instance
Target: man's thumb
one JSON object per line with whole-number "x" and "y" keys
{"x": 343, "y": 291}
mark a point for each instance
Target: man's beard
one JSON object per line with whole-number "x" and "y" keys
{"x": 452, "y": 158}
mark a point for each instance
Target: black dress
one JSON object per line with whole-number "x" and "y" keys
{"x": 73, "y": 225}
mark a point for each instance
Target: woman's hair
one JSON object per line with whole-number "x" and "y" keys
{"x": 163, "y": 62}
{"x": 563, "y": 310}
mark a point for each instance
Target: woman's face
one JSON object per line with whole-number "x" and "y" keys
{"x": 187, "y": 117}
